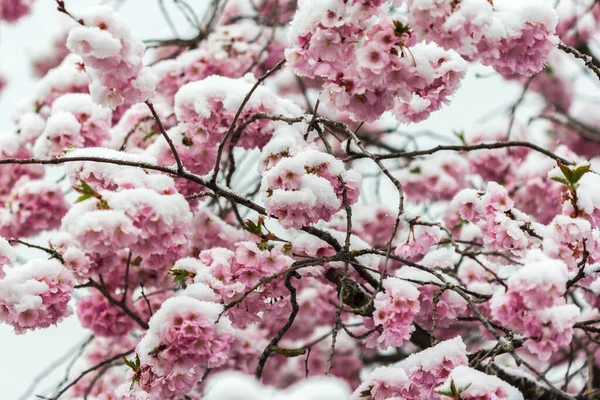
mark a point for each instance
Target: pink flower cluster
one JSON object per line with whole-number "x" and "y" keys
{"x": 498, "y": 165}
{"x": 50, "y": 57}
{"x": 395, "y": 309}
{"x": 533, "y": 305}
{"x": 12, "y": 146}
{"x": 32, "y": 207}
{"x": 508, "y": 35}
{"x": 305, "y": 186}
{"x": 450, "y": 305}
{"x": 566, "y": 238}
{"x": 371, "y": 68}
{"x": 104, "y": 318}
{"x": 503, "y": 227}
{"x": 439, "y": 177}
{"x": 68, "y": 77}
{"x": 184, "y": 338}
{"x": 230, "y": 274}
{"x": 419, "y": 239}
{"x": 75, "y": 121}
{"x": 416, "y": 377}
{"x": 153, "y": 226}
{"x": 113, "y": 58}
{"x": 228, "y": 51}
{"x": 35, "y": 295}
{"x": 472, "y": 384}
{"x": 373, "y": 224}
{"x": 13, "y": 10}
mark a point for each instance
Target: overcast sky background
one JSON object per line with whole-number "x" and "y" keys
{"x": 23, "y": 357}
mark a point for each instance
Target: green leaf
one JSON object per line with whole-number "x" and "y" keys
{"x": 83, "y": 197}
{"x": 179, "y": 274}
{"x": 86, "y": 192}
{"x": 134, "y": 365}
{"x": 251, "y": 227}
{"x": 561, "y": 180}
{"x": 461, "y": 136}
{"x": 566, "y": 171}
{"x": 578, "y": 172}
{"x": 400, "y": 29}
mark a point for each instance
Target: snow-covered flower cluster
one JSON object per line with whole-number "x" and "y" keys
{"x": 305, "y": 185}
{"x": 395, "y": 310}
{"x": 112, "y": 57}
{"x": 533, "y": 305}
{"x": 184, "y": 338}
{"x": 371, "y": 68}
{"x": 35, "y": 295}
{"x": 512, "y": 37}
{"x": 417, "y": 377}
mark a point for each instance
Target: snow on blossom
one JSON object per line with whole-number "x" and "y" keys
{"x": 533, "y": 304}
{"x": 307, "y": 187}
{"x": 113, "y": 58}
{"x": 417, "y": 376}
{"x": 473, "y": 384}
{"x": 68, "y": 77}
{"x": 33, "y": 207}
{"x": 35, "y": 295}
{"x": 75, "y": 121}
{"x": 183, "y": 339}
{"x": 395, "y": 309}
{"x": 111, "y": 176}
{"x": 520, "y": 38}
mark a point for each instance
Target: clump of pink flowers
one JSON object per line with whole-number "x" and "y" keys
{"x": 471, "y": 384}
{"x": 13, "y": 10}
{"x": 112, "y": 57}
{"x": 395, "y": 309}
{"x": 534, "y": 305}
{"x": 35, "y": 295}
{"x": 307, "y": 186}
{"x": 104, "y": 318}
{"x": 416, "y": 377}
{"x": 32, "y": 207}
{"x": 75, "y": 121}
{"x": 512, "y": 37}
{"x": 184, "y": 338}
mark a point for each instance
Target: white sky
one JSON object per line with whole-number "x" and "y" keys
{"x": 23, "y": 357}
